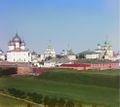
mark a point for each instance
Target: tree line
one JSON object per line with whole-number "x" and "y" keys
{"x": 8, "y": 71}
{"x": 40, "y": 99}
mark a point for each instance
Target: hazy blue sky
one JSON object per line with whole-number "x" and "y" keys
{"x": 80, "y": 23}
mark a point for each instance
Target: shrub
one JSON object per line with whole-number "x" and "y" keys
{"x": 8, "y": 71}
{"x": 17, "y": 93}
{"x": 69, "y": 103}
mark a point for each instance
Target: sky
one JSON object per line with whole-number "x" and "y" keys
{"x": 77, "y": 24}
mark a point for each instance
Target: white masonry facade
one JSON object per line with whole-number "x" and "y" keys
{"x": 17, "y": 51}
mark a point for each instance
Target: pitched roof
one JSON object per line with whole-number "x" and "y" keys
{"x": 88, "y": 52}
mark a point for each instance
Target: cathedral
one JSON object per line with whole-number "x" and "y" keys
{"x": 50, "y": 52}
{"x": 17, "y": 51}
{"x": 104, "y": 51}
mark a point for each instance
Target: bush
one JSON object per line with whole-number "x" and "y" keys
{"x": 46, "y": 100}
{"x": 69, "y": 103}
{"x": 37, "y": 98}
{"x": 53, "y": 102}
{"x": 8, "y": 71}
{"x": 61, "y": 102}
{"x": 17, "y": 93}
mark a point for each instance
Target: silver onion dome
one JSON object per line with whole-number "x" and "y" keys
{"x": 10, "y": 43}
{"x": 23, "y": 43}
{"x": 16, "y": 38}
{"x": 1, "y": 52}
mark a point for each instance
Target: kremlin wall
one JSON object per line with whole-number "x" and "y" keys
{"x": 27, "y": 62}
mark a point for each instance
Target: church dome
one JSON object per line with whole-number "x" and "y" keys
{"x": 1, "y": 52}
{"x": 22, "y": 43}
{"x": 11, "y": 43}
{"x": 98, "y": 44}
{"x": 16, "y": 38}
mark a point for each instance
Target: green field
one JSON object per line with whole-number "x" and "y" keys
{"x": 93, "y": 87}
{"x": 10, "y": 102}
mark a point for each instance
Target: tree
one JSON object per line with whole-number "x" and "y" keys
{"x": 53, "y": 102}
{"x": 46, "y": 100}
{"x": 8, "y": 71}
{"x": 59, "y": 56}
{"x": 42, "y": 62}
{"x": 94, "y": 105}
{"x": 79, "y": 105}
{"x": 61, "y": 102}
{"x": 17, "y": 93}
{"x": 69, "y": 103}
{"x": 48, "y": 58}
{"x": 81, "y": 55}
{"x": 37, "y": 98}
{"x": 29, "y": 105}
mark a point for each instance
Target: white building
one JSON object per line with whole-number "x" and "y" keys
{"x": 50, "y": 52}
{"x": 92, "y": 55}
{"x": 69, "y": 53}
{"x": 17, "y": 51}
{"x": 104, "y": 51}
{"x": 36, "y": 59}
{"x": 2, "y": 56}
{"x": 57, "y": 62}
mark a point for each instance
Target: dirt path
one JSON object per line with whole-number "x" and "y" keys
{"x": 24, "y": 100}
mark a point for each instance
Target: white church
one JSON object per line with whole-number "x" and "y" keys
{"x": 50, "y": 52}
{"x": 17, "y": 50}
{"x": 104, "y": 51}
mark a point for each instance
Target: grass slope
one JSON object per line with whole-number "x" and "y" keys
{"x": 9, "y": 102}
{"x": 85, "y": 87}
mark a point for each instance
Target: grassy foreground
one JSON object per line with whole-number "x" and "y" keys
{"x": 93, "y": 87}
{"x": 6, "y": 101}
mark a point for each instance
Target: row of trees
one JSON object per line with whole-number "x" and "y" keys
{"x": 17, "y": 93}
{"x": 40, "y": 99}
{"x": 8, "y": 71}
{"x": 53, "y": 102}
